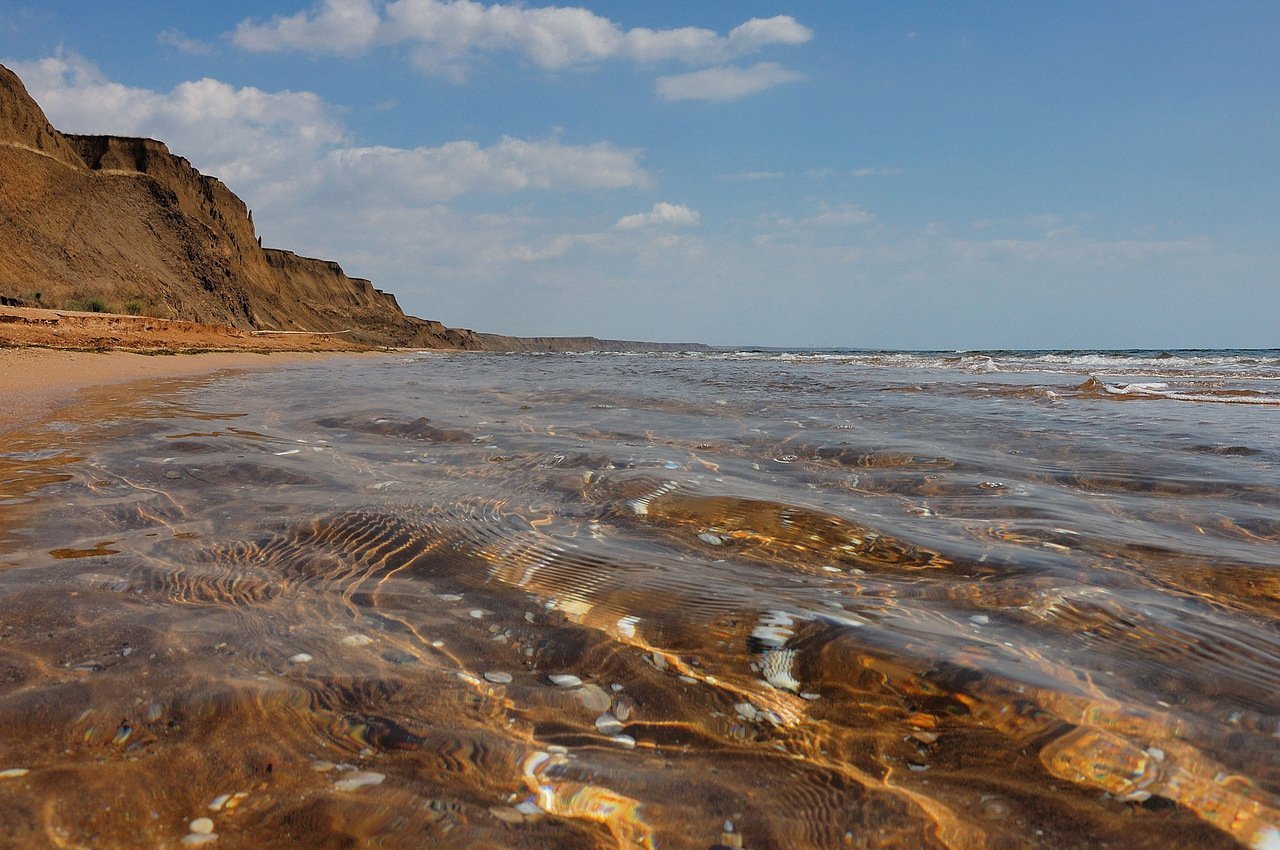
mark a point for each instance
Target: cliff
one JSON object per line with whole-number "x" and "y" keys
{"x": 115, "y": 224}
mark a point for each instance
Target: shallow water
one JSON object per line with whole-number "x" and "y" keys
{"x": 750, "y": 599}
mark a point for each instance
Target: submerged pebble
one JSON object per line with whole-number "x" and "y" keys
{"x": 199, "y": 839}
{"x": 13, "y": 773}
{"x": 203, "y": 826}
{"x": 356, "y": 640}
{"x": 497, "y": 677}
{"x": 360, "y": 779}
{"x": 507, "y": 814}
{"x": 607, "y": 724}
{"x": 564, "y": 680}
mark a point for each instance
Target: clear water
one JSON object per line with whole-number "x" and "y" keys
{"x": 745, "y": 599}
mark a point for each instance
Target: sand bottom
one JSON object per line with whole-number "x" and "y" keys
{"x": 36, "y": 381}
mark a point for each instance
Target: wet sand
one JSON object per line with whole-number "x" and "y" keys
{"x": 36, "y": 381}
{"x": 453, "y": 601}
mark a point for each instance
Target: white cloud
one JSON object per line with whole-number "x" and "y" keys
{"x": 262, "y": 142}
{"x": 440, "y": 173}
{"x": 728, "y": 83}
{"x": 273, "y": 146}
{"x": 662, "y": 214}
{"x": 342, "y": 27}
{"x": 881, "y": 171}
{"x": 443, "y": 35}
{"x": 182, "y": 42}
{"x": 754, "y": 175}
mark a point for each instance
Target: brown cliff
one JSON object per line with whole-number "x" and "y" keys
{"x": 122, "y": 225}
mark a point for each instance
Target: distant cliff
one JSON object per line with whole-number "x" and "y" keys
{"x": 114, "y": 224}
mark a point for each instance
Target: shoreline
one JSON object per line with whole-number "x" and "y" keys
{"x": 35, "y": 382}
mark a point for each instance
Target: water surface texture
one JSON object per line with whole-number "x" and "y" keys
{"x": 755, "y": 599}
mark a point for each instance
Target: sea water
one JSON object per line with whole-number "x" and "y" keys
{"x": 720, "y": 599}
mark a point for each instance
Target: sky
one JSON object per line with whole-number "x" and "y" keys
{"x": 878, "y": 174}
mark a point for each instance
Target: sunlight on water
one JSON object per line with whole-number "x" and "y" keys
{"x": 751, "y": 600}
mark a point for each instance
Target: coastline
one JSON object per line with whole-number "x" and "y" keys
{"x": 35, "y": 382}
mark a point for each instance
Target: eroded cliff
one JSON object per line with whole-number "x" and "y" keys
{"x": 115, "y": 224}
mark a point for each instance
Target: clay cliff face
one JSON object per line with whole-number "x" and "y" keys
{"x": 105, "y": 223}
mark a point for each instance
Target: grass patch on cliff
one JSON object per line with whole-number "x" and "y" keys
{"x": 87, "y": 305}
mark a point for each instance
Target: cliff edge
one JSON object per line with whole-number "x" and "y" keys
{"x": 122, "y": 225}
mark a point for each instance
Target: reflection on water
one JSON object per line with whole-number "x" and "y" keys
{"x": 716, "y": 601}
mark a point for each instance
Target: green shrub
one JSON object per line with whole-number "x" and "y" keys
{"x": 88, "y": 305}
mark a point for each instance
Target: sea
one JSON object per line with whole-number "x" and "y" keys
{"x": 713, "y": 599}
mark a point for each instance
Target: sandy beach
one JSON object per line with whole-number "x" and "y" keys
{"x": 47, "y": 355}
{"x": 36, "y": 381}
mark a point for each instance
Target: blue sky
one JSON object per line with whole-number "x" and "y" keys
{"x": 867, "y": 174}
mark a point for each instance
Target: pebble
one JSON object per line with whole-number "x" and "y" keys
{"x": 980, "y": 619}
{"x": 359, "y": 780}
{"x": 300, "y": 658}
{"x": 230, "y": 801}
{"x": 593, "y": 698}
{"x": 713, "y": 539}
{"x": 497, "y": 677}
{"x": 199, "y": 839}
{"x": 624, "y": 740}
{"x": 13, "y": 773}
{"x": 564, "y": 680}
{"x": 507, "y": 814}
{"x": 607, "y": 724}
{"x": 203, "y": 826}
{"x": 476, "y": 614}
{"x": 356, "y": 640}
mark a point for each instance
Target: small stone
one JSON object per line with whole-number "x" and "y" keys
{"x": 607, "y": 724}
{"x": 497, "y": 677}
{"x": 564, "y": 680}
{"x": 358, "y": 780}
{"x": 507, "y": 814}
{"x": 624, "y": 741}
{"x": 593, "y": 698}
{"x": 300, "y": 658}
{"x": 172, "y": 474}
{"x": 13, "y": 773}
{"x": 203, "y": 826}
{"x": 980, "y": 619}
{"x": 475, "y": 614}
{"x": 216, "y": 804}
{"x": 199, "y": 839}
{"x": 356, "y": 640}
{"x": 712, "y": 539}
